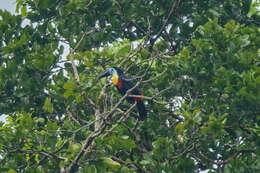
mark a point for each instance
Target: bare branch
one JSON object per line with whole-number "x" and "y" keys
{"x": 123, "y": 118}
{"x": 76, "y": 74}
{"x": 45, "y": 153}
{"x": 173, "y": 10}
{"x": 73, "y": 117}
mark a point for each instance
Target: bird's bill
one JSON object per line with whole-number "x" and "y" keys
{"x": 105, "y": 74}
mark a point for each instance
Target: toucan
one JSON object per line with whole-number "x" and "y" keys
{"x": 123, "y": 84}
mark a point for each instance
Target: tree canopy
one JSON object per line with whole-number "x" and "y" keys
{"x": 196, "y": 62}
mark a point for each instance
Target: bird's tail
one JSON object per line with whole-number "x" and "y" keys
{"x": 141, "y": 110}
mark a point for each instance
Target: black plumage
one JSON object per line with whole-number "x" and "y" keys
{"x": 123, "y": 85}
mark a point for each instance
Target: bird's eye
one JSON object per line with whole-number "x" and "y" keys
{"x": 111, "y": 70}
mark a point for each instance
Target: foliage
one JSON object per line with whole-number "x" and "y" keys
{"x": 197, "y": 63}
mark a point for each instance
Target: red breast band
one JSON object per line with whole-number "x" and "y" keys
{"x": 119, "y": 84}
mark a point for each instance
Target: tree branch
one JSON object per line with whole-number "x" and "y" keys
{"x": 88, "y": 142}
{"x": 173, "y": 10}
{"x": 76, "y": 74}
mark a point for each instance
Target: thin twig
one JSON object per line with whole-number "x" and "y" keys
{"x": 76, "y": 74}
{"x": 72, "y": 117}
{"x": 123, "y": 118}
{"x": 173, "y": 9}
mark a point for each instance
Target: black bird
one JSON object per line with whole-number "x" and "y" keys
{"x": 122, "y": 84}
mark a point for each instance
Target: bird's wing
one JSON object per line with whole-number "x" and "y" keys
{"x": 128, "y": 84}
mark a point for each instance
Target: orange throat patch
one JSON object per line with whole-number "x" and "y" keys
{"x": 116, "y": 81}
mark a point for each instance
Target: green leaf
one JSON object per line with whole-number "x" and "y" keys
{"x": 48, "y": 106}
{"x": 24, "y": 11}
{"x": 88, "y": 63}
{"x": 42, "y": 4}
{"x": 68, "y": 93}
{"x": 37, "y": 158}
{"x": 111, "y": 163}
{"x": 52, "y": 126}
{"x": 120, "y": 142}
{"x": 75, "y": 147}
{"x": 231, "y": 26}
{"x": 18, "y": 4}
{"x": 180, "y": 127}
{"x": 90, "y": 169}
{"x": 145, "y": 162}
{"x": 11, "y": 171}
{"x": 79, "y": 98}
{"x": 254, "y": 9}
{"x": 70, "y": 85}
